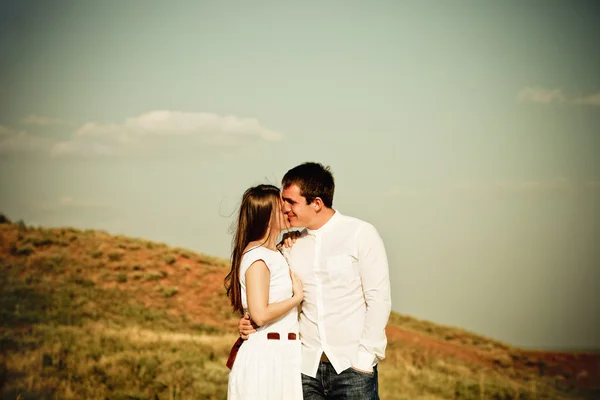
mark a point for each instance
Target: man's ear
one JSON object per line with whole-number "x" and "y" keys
{"x": 317, "y": 204}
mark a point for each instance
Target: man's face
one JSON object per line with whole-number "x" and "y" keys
{"x": 298, "y": 213}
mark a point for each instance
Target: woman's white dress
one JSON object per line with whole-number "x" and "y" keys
{"x": 268, "y": 369}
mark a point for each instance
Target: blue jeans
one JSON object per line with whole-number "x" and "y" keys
{"x": 348, "y": 385}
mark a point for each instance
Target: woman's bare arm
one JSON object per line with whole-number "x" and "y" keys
{"x": 257, "y": 290}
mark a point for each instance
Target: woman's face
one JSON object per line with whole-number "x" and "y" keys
{"x": 278, "y": 222}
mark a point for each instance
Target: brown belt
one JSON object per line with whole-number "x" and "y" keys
{"x": 275, "y": 336}
{"x": 234, "y": 351}
{"x": 238, "y": 343}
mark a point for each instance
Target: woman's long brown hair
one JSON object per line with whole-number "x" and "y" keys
{"x": 257, "y": 209}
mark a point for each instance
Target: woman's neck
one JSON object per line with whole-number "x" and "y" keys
{"x": 268, "y": 242}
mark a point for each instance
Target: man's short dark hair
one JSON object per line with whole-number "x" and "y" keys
{"x": 314, "y": 180}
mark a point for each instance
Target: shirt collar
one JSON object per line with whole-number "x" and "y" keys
{"x": 326, "y": 225}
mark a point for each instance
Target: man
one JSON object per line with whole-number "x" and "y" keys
{"x": 343, "y": 266}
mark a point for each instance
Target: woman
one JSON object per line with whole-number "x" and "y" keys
{"x": 260, "y": 282}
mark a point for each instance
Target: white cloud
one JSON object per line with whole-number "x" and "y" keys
{"x": 546, "y": 96}
{"x": 66, "y": 200}
{"x": 153, "y": 132}
{"x": 540, "y": 95}
{"x": 19, "y": 141}
{"x": 185, "y": 123}
{"x": 590, "y": 100}
{"x": 39, "y": 120}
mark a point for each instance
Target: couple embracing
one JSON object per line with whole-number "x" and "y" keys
{"x": 318, "y": 306}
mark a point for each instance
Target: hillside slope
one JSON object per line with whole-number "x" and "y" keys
{"x": 89, "y": 315}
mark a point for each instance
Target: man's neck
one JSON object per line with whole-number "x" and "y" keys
{"x": 322, "y": 218}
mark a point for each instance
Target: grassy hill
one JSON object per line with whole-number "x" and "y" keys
{"x": 88, "y": 315}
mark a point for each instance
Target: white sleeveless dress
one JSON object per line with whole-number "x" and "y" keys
{"x": 268, "y": 369}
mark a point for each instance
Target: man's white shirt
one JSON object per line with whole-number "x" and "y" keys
{"x": 344, "y": 269}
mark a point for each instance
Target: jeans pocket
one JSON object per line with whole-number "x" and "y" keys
{"x": 360, "y": 385}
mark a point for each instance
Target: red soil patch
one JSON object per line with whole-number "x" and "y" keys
{"x": 197, "y": 287}
{"x": 436, "y": 346}
{"x": 582, "y": 369}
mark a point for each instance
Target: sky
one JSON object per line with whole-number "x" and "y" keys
{"x": 466, "y": 132}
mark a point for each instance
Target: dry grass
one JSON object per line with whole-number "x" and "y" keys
{"x": 95, "y": 362}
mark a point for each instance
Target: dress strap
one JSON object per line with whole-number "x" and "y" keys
{"x": 249, "y": 250}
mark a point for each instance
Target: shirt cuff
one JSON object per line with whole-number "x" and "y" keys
{"x": 364, "y": 361}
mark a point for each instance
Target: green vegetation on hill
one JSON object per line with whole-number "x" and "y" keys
{"x": 87, "y": 315}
